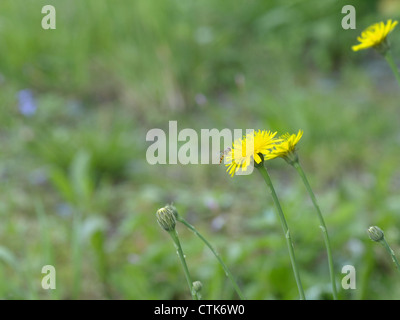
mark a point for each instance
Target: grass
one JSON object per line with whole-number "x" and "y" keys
{"x": 76, "y": 190}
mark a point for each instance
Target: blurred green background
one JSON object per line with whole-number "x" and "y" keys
{"x": 77, "y": 192}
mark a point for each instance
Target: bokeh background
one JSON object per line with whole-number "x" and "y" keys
{"x": 76, "y": 191}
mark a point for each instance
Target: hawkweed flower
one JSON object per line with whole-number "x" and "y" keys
{"x": 167, "y": 220}
{"x": 250, "y": 148}
{"x": 376, "y": 234}
{"x": 375, "y": 37}
{"x": 253, "y": 147}
{"x": 287, "y": 150}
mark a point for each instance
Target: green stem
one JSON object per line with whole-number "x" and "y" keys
{"x": 227, "y": 272}
{"x": 300, "y": 170}
{"x": 389, "y": 58}
{"x": 77, "y": 253}
{"x": 285, "y": 228}
{"x": 391, "y": 252}
{"x": 175, "y": 238}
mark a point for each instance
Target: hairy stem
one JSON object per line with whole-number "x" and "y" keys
{"x": 175, "y": 238}
{"x": 227, "y": 272}
{"x": 285, "y": 229}
{"x": 300, "y": 170}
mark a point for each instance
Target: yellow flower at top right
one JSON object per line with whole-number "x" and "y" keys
{"x": 286, "y": 149}
{"x": 374, "y": 36}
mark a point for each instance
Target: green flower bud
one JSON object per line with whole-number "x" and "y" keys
{"x": 166, "y": 219}
{"x": 173, "y": 209}
{"x": 197, "y": 286}
{"x": 375, "y": 233}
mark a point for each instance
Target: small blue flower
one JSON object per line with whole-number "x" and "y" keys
{"x": 26, "y": 103}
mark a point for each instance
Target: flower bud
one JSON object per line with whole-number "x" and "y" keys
{"x": 375, "y": 233}
{"x": 197, "y": 286}
{"x": 166, "y": 219}
{"x": 173, "y": 209}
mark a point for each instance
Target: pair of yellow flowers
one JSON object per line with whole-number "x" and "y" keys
{"x": 260, "y": 145}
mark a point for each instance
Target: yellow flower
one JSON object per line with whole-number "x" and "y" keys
{"x": 375, "y": 35}
{"x": 286, "y": 149}
{"x": 250, "y": 147}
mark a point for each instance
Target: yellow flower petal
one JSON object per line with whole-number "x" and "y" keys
{"x": 247, "y": 149}
{"x": 374, "y": 35}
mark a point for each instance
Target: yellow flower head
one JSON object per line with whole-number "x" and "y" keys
{"x": 248, "y": 148}
{"x": 287, "y": 148}
{"x": 375, "y": 35}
